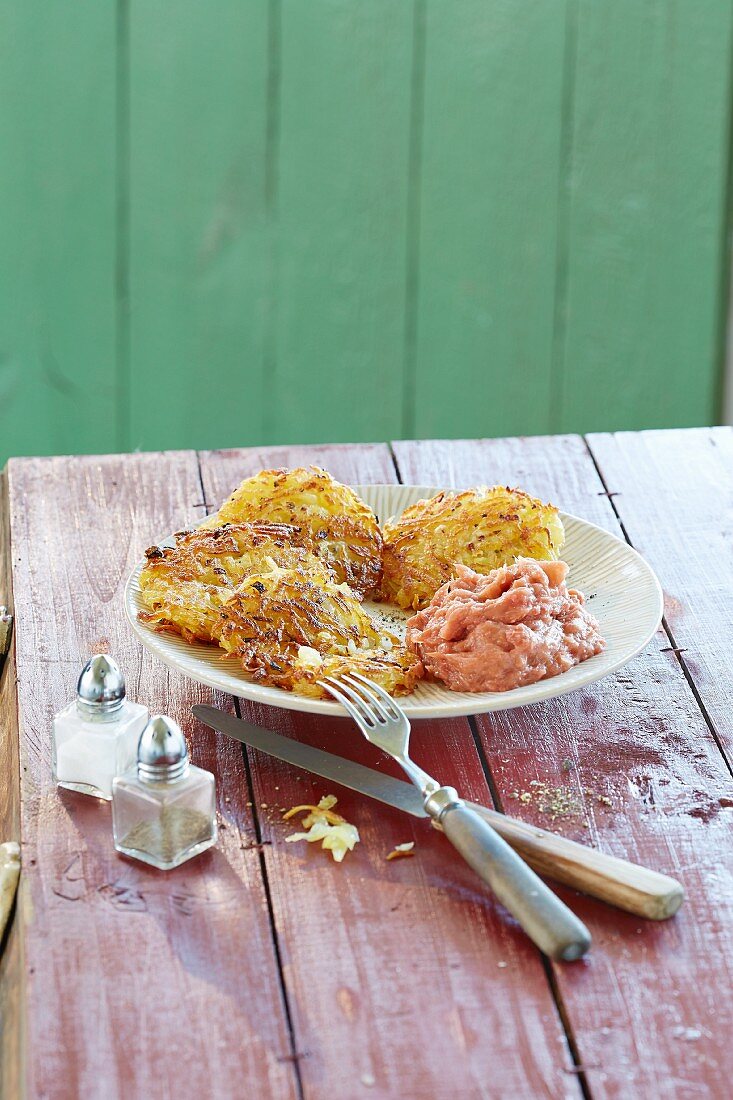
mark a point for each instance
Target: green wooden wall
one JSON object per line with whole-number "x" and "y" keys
{"x": 242, "y": 221}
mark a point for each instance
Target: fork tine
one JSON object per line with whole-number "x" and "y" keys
{"x": 372, "y": 699}
{"x": 348, "y": 706}
{"x": 358, "y": 713}
{"x": 360, "y": 702}
{"x": 380, "y": 692}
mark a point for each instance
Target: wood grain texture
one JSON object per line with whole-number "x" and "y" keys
{"x": 200, "y": 233}
{"x": 649, "y": 1009}
{"x": 674, "y": 494}
{"x": 343, "y": 125}
{"x": 388, "y": 961}
{"x": 644, "y": 237}
{"x": 10, "y": 788}
{"x": 118, "y": 954}
{"x": 12, "y": 983}
{"x": 57, "y": 232}
{"x": 488, "y": 233}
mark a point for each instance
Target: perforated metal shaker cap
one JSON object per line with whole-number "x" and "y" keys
{"x": 162, "y": 754}
{"x": 101, "y": 686}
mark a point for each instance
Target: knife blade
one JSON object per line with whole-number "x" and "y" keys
{"x": 357, "y": 777}
{"x": 626, "y": 885}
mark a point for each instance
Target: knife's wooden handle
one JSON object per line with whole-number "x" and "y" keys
{"x": 625, "y": 885}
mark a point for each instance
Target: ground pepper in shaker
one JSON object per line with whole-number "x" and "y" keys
{"x": 95, "y": 738}
{"x": 163, "y": 809}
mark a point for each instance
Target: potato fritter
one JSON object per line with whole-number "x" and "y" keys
{"x": 334, "y": 523}
{"x": 290, "y": 630}
{"x": 184, "y": 586}
{"x": 480, "y": 528}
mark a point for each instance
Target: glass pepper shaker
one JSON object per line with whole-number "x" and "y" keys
{"x": 96, "y": 736}
{"x": 163, "y": 809}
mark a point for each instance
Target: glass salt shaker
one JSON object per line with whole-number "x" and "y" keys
{"x": 96, "y": 736}
{"x": 163, "y": 809}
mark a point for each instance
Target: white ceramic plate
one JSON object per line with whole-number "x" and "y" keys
{"x": 622, "y": 591}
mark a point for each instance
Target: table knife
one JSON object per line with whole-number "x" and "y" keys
{"x": 625, "y": 885}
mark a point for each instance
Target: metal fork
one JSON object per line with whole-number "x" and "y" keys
{"x": 547, "y": 921}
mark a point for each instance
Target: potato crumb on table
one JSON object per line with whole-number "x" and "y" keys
{"x": 400, "y": 851}
{"x": 322, "y": 823}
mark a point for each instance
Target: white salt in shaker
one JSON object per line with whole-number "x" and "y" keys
{"x": 163, "y": 809}
{"x": 95, "y": 737}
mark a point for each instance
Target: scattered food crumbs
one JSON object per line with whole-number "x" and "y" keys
{"x": 263, "y": 805}
{"x": 368, "y": 1079}
{"x": 501, "y": 965}
{"x": 322, "y": 823}
{"x": 248, "y": 803}
{"x": 553, "y": 801}
{"x": 402, "y": 850}
{"x": 604, "y": 800}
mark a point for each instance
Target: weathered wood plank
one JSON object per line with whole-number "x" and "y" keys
{"x": 12, "y": 984}
{"x": 650, "y": 1008}
{"x": 134, "y": 976}
{"x": 487, "y": 240}
{"x": 10, "y": 788}
{"x": 343, "y": 125}
{"x": 674, "y": 493}
{"x": 645, "y": 187}
{"x": 389, "y": 962}
{"x": 58, "y": 387}
{"x": 200, "y": 235}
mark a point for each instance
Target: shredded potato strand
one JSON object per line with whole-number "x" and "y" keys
{"x": 330, "y": 816}
{"x": 337, "y": 836}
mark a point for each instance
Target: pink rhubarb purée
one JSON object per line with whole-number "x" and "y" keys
{"x": 515, "y": 625}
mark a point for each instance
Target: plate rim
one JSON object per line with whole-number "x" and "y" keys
{"x": 542, "y": 690}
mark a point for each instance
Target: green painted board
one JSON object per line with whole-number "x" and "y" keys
{"x": 487, "y": 241}
{"x": 341, "y": 212}
{"x": 199, "y": 236}
{"x": 58, "y": 383}
{"x": 279, "y": 221}
{"x": 646, "y": 206}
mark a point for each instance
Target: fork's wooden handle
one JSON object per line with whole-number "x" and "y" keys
{"x": 626, "y": 885}
{"x": 547, "y": 921}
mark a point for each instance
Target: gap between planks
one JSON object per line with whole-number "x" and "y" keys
{"x": 553, "y": 986}
{"x": 678, "y": 653}
{"x": 294, "y": 1056}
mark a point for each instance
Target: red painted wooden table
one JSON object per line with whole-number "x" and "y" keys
{"x": 263, "y": 968}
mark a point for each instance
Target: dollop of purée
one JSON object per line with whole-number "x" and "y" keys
{"x": 505, "y": 629}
